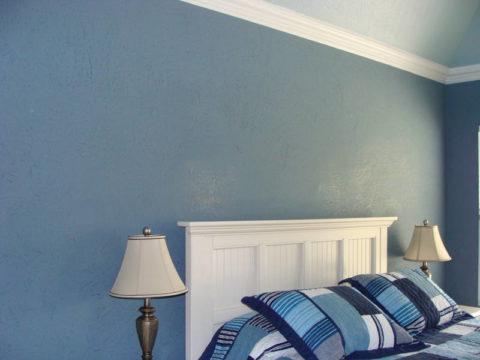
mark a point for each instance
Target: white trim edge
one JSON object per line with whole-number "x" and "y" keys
{"x": 463, "y": 74}
{"x": 221, "y": 227}
{"x": 294, "y": 23}
{"x": 291, "y": 22}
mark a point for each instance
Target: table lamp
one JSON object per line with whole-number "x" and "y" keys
{"x": 147, "y": 272}
{"x": 426, "y": 245}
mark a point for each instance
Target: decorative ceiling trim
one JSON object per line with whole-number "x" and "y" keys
{"x": 463, "y": 74}
{"x": 285, "y": 20}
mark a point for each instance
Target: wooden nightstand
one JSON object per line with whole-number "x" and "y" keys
{"x": 474, "y": 311}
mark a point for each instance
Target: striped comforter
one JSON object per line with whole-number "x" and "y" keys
{"x": 459, "y": 341}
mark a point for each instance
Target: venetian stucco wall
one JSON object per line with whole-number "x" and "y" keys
{"x": 119, "y": 114}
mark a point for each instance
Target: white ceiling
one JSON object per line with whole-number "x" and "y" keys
{"x": 432, "y": 29}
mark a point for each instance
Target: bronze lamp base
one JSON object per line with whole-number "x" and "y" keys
{"x": 147, "y": 326}
{"x": 425, "y": 270}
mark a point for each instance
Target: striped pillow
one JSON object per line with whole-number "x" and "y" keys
{"x": 331, "y": 323}
{"x": 413, "y": 300}
{"x": 249, "y": 336}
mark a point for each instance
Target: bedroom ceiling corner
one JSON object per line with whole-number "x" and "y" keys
{"x": 432, "y": 29}
{"x": 435, "y": 39}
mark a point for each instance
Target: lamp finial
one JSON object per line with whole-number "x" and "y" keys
{"x": 147, "y": 231}
{"x": 425, "y": 222}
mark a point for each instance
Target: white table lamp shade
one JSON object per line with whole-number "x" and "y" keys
{"x": 147, "y": 270}
{"x": 426, "y": 245}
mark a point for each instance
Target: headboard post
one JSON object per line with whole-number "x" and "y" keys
{"x": 199, "y": 309}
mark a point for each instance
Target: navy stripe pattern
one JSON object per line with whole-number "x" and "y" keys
{"x": 460, "y": 340}
{"x": 332, "y": 323}
{"x": 250, "y": 336}
{"x": 414, "y": 301}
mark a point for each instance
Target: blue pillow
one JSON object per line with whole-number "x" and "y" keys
{"x": 332, "y": 323}
{"x": 250, "y": 336}
{"x": 410, "y": 298}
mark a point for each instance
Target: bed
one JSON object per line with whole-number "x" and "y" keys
{"x": 229, "y": 260}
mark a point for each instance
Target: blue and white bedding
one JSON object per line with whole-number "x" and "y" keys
{"x": 340, "y": 322}
{"x": 250, "y": 336}
{"x": 460, "y": 341}
{"x": 409, "y": 297}
{"x": 325, "y": 323}
{"x": 332, "y": 323}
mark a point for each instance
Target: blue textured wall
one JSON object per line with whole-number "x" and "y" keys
{"x": 462, "y": 121}
{"x": 118, "y": 114}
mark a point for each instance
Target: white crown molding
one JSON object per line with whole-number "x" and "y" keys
{"x": 282, "y": 19}
{"x": 463, "y": 74}
{"x": 291, "y": 22}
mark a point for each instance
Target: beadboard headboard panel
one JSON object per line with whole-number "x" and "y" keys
{"x": 227, "y": 260}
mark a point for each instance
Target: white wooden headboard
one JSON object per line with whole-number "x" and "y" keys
{"x": 227, "y": 260}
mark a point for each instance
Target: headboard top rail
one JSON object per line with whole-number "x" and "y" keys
{"x": 279, "y": 225}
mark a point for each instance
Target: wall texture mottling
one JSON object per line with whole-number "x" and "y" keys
{"x": 120, "y": 114}
{"x": 462, "y": 121}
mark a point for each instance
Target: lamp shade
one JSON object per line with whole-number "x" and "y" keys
{"x": 426, "y": 245}
{"x": 147, "y": 270}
